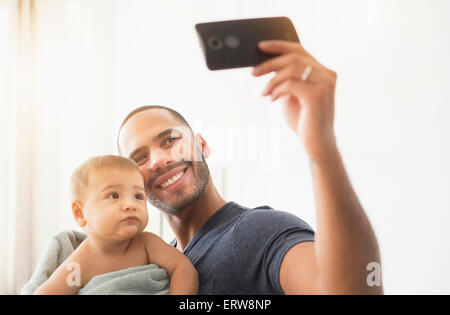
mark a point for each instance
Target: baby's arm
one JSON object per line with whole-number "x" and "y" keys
{"x": 183, "y": 276}
{"x": 66, "y": 279}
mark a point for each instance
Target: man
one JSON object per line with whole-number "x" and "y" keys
{"x": 260, "y": 251}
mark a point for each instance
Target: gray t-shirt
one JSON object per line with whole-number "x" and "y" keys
{"x": 240, "y": 250}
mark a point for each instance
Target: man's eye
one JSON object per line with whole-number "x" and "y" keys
{"x": 170, "y": 140}
{"x": 139, "y": 196}
{"x": 113, "y": 196}
{"x": 141, "y": 158}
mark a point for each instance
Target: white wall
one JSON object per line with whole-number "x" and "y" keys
{"x": 391, "y": 112}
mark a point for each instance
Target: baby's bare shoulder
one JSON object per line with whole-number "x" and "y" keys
{"x": 149, "y": 237}
{"x": 151, "y": 240}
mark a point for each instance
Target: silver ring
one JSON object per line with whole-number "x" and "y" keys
{"x": 306, "y": 73}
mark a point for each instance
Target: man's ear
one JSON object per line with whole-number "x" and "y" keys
{"x": 206, "y": 151}
{"x": 77, "y": 211}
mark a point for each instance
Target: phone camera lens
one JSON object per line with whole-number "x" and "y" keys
{"x": 215, "y": 43}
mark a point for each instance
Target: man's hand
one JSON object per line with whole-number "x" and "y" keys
{"x": 345, "y": 242}
{"x": 308, "y": 105}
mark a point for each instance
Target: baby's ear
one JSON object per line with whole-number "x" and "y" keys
{"x": 77, "y": 211}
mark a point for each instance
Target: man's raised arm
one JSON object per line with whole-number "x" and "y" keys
{"x": 345, "y": 242}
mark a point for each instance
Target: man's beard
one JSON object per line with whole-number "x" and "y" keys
{"x": 201, "y": 177}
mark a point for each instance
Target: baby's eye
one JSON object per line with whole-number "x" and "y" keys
{"x": 139, "y": 196}
{"x": 113, "y": 196}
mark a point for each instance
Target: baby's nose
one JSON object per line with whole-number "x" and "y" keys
{"x": 130, "y": 207}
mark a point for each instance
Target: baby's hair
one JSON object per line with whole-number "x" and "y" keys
{"x": 80, "y": 177}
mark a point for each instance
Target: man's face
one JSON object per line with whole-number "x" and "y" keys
{"x": 115, "y": 204}
{"x": 171, "y": 162}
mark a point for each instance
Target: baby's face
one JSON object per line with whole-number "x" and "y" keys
{"x": 115, "y": 206}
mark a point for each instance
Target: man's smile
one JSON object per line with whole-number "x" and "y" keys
{"x": 172, "y": 179}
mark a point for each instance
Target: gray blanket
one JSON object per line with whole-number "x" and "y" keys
{"x": 148, "y": 279}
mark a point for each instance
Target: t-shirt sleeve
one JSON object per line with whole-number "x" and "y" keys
{"x": 262, "y": 237}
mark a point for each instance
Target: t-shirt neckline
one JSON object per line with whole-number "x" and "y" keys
{"x": 218, "y": 215}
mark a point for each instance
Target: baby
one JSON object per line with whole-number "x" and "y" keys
{"x": 108, "y": 202}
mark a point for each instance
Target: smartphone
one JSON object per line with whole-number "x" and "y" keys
{"x": 234, "y": 43}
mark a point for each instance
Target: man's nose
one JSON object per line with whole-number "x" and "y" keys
{"x": 159, "y": 159}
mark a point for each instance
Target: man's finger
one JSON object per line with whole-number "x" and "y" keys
{"x": 280, "y": 47}
{"x": 275, "y": 64}
{"x": 284, "y": 74}
{"x": 289, "y": 87}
